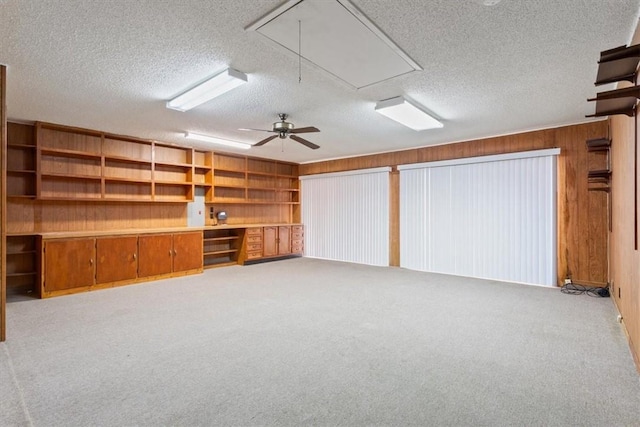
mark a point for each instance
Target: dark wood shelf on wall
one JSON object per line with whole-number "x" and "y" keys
{"x": 600, "y": 144}
{"x": 618, "y": 101}
{"x": 600, "y": 177}
{"x": 617, "y": 64}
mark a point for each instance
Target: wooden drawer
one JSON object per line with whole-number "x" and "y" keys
{"x": 254, "y": 255}
{"x": 297, "y": 229}
{"x": 296, "y": 242}
{"x": 254, "y": 239}
{"x": 296, "y": 249}
{"x": 254, "y": 247}
{"x": 254, "y": 231}
{"x": 296, "y": 236}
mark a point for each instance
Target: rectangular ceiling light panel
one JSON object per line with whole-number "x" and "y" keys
{"x": 407, "y": 114}
{"x": 215, "y": 86}
{"x": 337, "y": 38}
{"x": 219, "y": 141}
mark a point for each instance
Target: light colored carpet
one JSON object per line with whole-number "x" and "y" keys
{"x": 312, "y": 342}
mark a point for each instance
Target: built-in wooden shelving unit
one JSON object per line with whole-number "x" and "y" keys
{"x": 86, "y": 165}
{"x": 21, "y": 170}
{"x": 247, "y": 181}
{"x": 221, "y": 247}
{"x": 22, "y": 266}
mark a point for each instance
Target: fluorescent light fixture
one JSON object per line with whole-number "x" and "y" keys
{"x": 220, "y": 141}
{"x": 215, "y": 86}
{"x": 407, "y": 113}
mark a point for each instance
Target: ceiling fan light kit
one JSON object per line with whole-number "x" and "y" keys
{"x": 217, "y": 85}
{"x": 407, "y": 113}
{"x": 219, "y": 141}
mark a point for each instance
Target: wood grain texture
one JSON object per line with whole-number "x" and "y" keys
{"x": 155, "y": 254}
{"x": 117, "y": 259}
{"x": 3, "y": 202}
{"x": 394, "y": 218}
{"x": 187, "y": 251}
{"x": 625, "y": 260}
{"x": 582, "y": 215}
{"x": 69, "y": 264}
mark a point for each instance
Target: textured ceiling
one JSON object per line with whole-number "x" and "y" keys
{"x": 112, "y": 64}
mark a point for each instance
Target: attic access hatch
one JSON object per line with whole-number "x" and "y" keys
{"x": 337, "y": 38}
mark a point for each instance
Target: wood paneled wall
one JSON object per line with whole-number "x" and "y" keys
{"x": 582, "y": 214}
{"x": 3, "y": 202}
{"x": 625, "y": 257}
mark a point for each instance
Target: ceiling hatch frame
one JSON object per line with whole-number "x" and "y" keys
{"x": 364, "y": 27}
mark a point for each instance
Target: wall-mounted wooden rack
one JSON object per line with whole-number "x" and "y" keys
{"x": 618, "y": 101}
{"x": 618, "y": 64}
{"x": 599, "y": 178}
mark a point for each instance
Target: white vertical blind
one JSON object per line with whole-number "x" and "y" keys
{"x": 346, "y": 216}
{"x": 492, "y": 217}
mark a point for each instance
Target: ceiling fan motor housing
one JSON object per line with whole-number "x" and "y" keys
{"x": 283, "y": 128}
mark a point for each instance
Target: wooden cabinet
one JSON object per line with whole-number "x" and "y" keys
{"x": 169, "y": 253}
{"x": 297, "y": 239}
{"x": 81, "y": 264}
{"x": 117, "y": 258}
{"x": 284, "y": 240}
{"x": 68, "y": 264}
{"x": 187, "y": 251}
{"x": 273, "y": 241}
{"x": 270, "y": 241}
{"x": 254, "y": 243}
{"x": 156, "y": 254}
{"x": 277, "y": 240}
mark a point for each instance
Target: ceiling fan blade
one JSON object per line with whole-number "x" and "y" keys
{"x": 257, "y": 130}
{"x": 308, "y": 129}
{"x": 304, "y": 142}
{"x": 264, "y": 141}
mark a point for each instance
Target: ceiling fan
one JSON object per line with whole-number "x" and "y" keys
{"x": 285, "y": 129}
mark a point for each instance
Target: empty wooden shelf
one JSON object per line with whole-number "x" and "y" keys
{"x": 618, "y": 101}
{"x": 620, "y": 63}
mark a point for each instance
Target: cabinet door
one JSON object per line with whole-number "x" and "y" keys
{"x": 117, "y": 258}
{"x": 187, "y": 251}
{"x": 155, "y": 254}
{"x": 69, "y": 264}
{"x": 284, "y": 240}
{"x": 269, "y": 241}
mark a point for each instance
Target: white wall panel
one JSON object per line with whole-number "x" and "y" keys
{"x": 490, "y": 217}
{"x": 346, "y": 216}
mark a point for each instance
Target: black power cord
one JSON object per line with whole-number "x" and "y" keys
{"x": 592, "y": 291}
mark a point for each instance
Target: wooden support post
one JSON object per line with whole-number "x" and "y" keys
{"x": 394, "y": 218}
{"x": 3, "y": 203}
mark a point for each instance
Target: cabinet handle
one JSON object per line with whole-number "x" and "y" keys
{"x": 175, "y": 252}
{"x": 135, "y": 256}
{"x": 91, "y": 261}
{"x": 170, "y": 252}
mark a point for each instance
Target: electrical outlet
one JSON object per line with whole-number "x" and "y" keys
{"x": 567, "y": 281}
